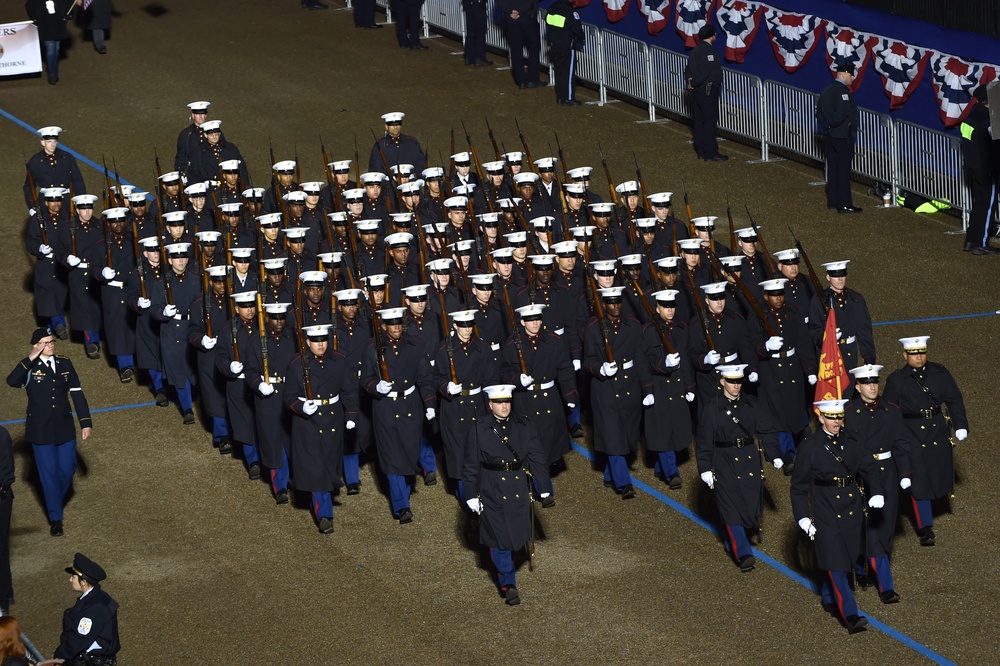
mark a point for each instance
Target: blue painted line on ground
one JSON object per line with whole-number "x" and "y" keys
{"x": 946, "y": 318}
{"x": 780, "y": 567}
{"x": 99, "y": 410}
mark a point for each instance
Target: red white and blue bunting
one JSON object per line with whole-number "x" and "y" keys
{"x": 901, "y": 67}
{"x": 739, "y": 20}
{"x": 793, "y": 36}
{"x": 616, "y": 9}
{"x": 847, "y": 45}
{"x": 655, "y": 12}
{"x": 954, "y": 80}
{"x": 692, "y": 15}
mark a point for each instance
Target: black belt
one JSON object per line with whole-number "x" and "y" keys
{"x": 835, "y": 482}
{"x": 738, "y": 443}
{"x": 923, "y": 413}
{"x": 502, "y": 467}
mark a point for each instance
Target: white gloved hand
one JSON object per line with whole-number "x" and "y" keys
{"x": 577, "y": 365}
{"x": 876, "y": 501}
{"x": 45, "y": 250}
{"x": 430, "y": 413}
{"x": 527, "y": 380}
{"x": 609, "y": 369}
{"x": 207, "y": 342}
{"x": 310, "y": 407}
{"x": 265, "y": 389}
{"x": 672, "y": 360}
{"x": 712, "y": 358}
{"x": 144, "y": 303}
{"x": 169, "y": 310}
{"x": 454, "y": 389}
{"x": 544, "y": 495}
{"x": 31, "y": 212}
{"x": 72, "y": 260}
{"x": 753, "y": 377}
{"x": 708, "y": 478}
{"x": 384, "y": 387}
{"x": 905, "y": 482}
{"x": 774, "y": 343}
{"x": 236, "y": 367}
{"x": 689, "y": 396}
{"x": 961, "y": 434}
{"x": 570, "y": 405}
{"x": 108, "y": 273}
{"x": 807, "y": 526}
{"x": 475, "y": 506}
{"x": 812, "y": 380}
{"x": 778, "y": 463}
{"x": 839, "y": 333}
{"x": 350, "y": 425}
{"x": 648, "y": 400}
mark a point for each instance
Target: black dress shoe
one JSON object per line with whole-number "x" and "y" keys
{"x": 927, "y": 536}
{"x": 353, "y": 488}
{"x": 326, "y": 526}
{"x": 856, "y": 623}
{"x": 281, "y": 497}
{"x": 189, "y": 417}
{"x": 405, "y": 517}
{"x": 609, "y": 484}
{"x": 373, "y": 27}
{"x": 52, "y": 81}
{"x": 161, "y": 399}
{"x": 675, "y": 482}
{"x": 747, "y": 563}
{"x": 254, "y": 471}
{"x": 421, "y": 47}
{"x": 628, "y": 492}
{"x": 225, "y": 446}
{"x": 889, "y": 597}
{"x": 718, "y": 158}
{"x": 56, "y": 528}
{"x": 576, "y": 432}
{"x": 93, "y": 350}
{"x": 844, "y": 210}
{"x": 470, "y": 62}
{"x": 968, "y": 247}
{"x": 60, "y": 329}
{"x": 512, "y": 596}
{"x": 568, "y": 102}
{"x": 984, "y": 251}
{"x": 126, "y": 375}
{"x": 430, "y": 479}
{"x": 313, "y": 4}
{"x": 789, "y": 468}
{"x": 863, "y": 580}
{"x": 533, "y": 84}
{"x": 548, "y": 502}
{"x": 483, "y": 62}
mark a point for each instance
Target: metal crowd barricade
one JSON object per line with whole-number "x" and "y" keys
{"x": 446, "y": 15}
{"x": 791, "y": 120}
{"x": 875, "y": 149}
{"x": 666, "y": 75}
{"x": 627, "y": 68}
{"x": 589, "y": 64}
{"x": 384, "y": 4}
{"x": 494, "y": 27}
{"x": 930, "y": 164}
{"x": 742, "y": 109}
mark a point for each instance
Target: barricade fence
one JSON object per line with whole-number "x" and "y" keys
{"x": 778, "y": 118}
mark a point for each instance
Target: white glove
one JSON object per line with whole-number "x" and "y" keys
{"x": 207, "y": 342}
{"x": 712, "y": 358}
{"x": 774, "y": 343}
{"x": 689, "y": 396}
{"x": 876, "y": 501}
{"x": 236, "y": 367}
{"x": 454, "y": 389}
{"x": 527, "y": 380}
{"x": 812, "y": 380}
{"x": 144, "y": 303}
{"x": 570, "y": 405}
{"x": 753, "y": 377}
{"x": 544, "y": 495}
{"x": 310, "y": 407}
{"x": 648, "y": 400}
{"x": 905, "y": 482}
{"x": 807, "y": 526}
{"x": 31, "y": 212}
{"x": 778, "y": 463}
{"x": 672, "y": 360}
{"x": 609, "y": 369}
{"x": 350, "y": 425}
{"x": 961, "y": 434}
{"x": 169, "y": 310}
{"x": 265, "y": 389}
{"x": 839, "y": 333}
{"x": 108, "y": 273}
{"x": 475, "y": 505}
{"x": 45, "y": 250}
{"x": 384, "y": 387}
{"x": 72, "y": 260}
{"x": 430, "y": 413}
{"x": 708, "y": 478}
{"x": 577, "y": 365}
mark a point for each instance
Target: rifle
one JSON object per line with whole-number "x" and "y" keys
{"x": 524, "y": 145}
{"x": 446, "y": 332}
{"x": 751, "y": 300}
{"x": 383, "y": 368}
{"x": 645, "y": 199}
{"x": 303, "y": 349}
{"x": 263, "y": 336}
{"x": 357, "y": 163}
{"x": 687, "y": 206}
{"x": 386, "y": 163}
{"x": 107, "y": 233}
{"x": 333, "y": 314}
{"x": 607, "y": 174}
{"x": 515, "y": 332}
{"x": 653, "y": 317}
{"x": 107, "y": 183}
{"x": 496, "y": 148}
{"x": 159, "y": 187}
{"x": 479, "y": 168}
{"x": 206, "y": 295}
{"x": 812, "y": 273}
{"x": 139, "y": 268}
{"x": 72, "y": 222}
{"x": 298, "y": 167}
{"x": 562, "y": 189}
{"x": 38, "y": 210}
{"x": 732, "y": 230}
{"x": 702, "y": 317}
{"x": 599, "y": 311}
{"x": 768, "y": 260}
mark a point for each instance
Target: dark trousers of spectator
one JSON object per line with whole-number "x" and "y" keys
{"x": 839, "y": 153}
{"x": 475, "y": 34}
{"x": 364, "y": 13}
{"x": 6, "y": 582}
{"x": 407, "y": 15}
{"x": 520, "y": 33}
{"x": 563, "y": 61}
{"x": 52, "y": 58}
{"x": 705, "y": 119}
{"x": 984, "y": 202}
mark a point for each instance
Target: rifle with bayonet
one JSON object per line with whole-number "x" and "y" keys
{"x": 383, "y": 368}
{"x": 599, "y": 308}
{"x": 702, "y": 316}
{"x": 514, "y": 330}
{"x": 732, "y": 229}
{"x": 303, "y": 349}
{"x": 386, "y": 163}
{"x": 524, "y": 145}
{"x": 772, "y": 270}
{"x": 263, "y": 336}
{"x": 206, "y": 303}
{"x": 750, "y": 299}
{"x": 38, "y": 210}
{"x": 653, "y": 317}
{"x": 107, "y": 183}
{"x": 107, "y": 233}
{"x": 812, "y": 273}
{"x": 72, "y": 222}
{"x": 562, "y": 189}
{"x": 493, "y": 140}
{"x": 687, "y": 208}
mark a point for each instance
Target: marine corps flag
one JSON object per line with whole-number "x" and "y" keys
{"x": 832, "y": 377}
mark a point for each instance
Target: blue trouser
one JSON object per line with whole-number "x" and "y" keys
{"x": 220, "y": 428}
{"x": 91, "y": 337}
{"x": 836, "y": 590}
{"x": 923, "y": 512}
{"x": 125, "y": 361}
{"x": 666, "y": 464}
{"x": 56, "y": 465}
{"x": 184, "y": 396}
{"x": 58, "y": 319}
{"x": 157, "y": 378}
{"x": 787, "y": 443}
{"x": 428, "y": 462}
{"x": 503, "y": 560}
{"x": 574, "y": 416}
{"x": 616, "y": 471}
{"x": 545, "y": 487}
{"x": 352, "y": 468}
{"x": 399, "y": 493}
{"x": 52, "y": 64}
{"x": 250, "y": 454}
{"x": 460, "y": 493}
{"x": 737, "y": 543}
{"x": 880, "y": 572}
{"x": 279, "y": 477}
{"x": 322, "y": 505}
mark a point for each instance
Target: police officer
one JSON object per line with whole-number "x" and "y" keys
{"x": 50, "y": 382}
{"x": 90, "y": 627}
{"x": 521, "y": 26}
{"x": 475, "y": 32}
{"x": 502, "y": 452}
{"x": 704, "y": 80}
{"x": 564, "y": 32}
{"x": 837, "y": 117}
{"x": 921, "y": 389}
{"x": 981, "y": 156}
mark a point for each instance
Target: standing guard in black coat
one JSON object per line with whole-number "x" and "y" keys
{"x": 837, "y": 120}
{"x": 704, "y": 81}
{"x": 520, "y": 21}
{"x": 502, "y": 456}
{"x": 564, "y": 33}
{"x": 476, "y": 15}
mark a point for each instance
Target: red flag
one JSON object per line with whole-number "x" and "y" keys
{"x": 832, "y": 378}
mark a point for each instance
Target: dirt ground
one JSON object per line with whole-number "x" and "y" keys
{"x": 208, "y": 570}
